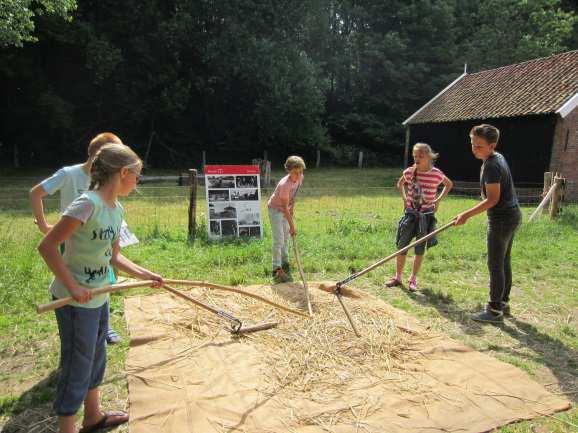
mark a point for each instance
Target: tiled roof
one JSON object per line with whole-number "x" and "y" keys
{"x": 538, "y": 86}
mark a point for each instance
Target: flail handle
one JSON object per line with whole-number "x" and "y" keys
{"x": 50, "y": 306}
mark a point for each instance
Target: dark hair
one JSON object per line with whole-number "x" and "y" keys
{"x": 488, "y": 132}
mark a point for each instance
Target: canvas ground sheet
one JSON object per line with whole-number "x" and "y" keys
{"x": 188, "y": 374}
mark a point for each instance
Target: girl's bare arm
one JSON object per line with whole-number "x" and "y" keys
{"x": 126, "y": 265}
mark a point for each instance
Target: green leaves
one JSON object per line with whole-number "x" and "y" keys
{"x": 252, "y": 75}
{"x": 16, "y": 25}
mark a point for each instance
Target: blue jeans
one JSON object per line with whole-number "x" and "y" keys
{"x": 280, "y": 232}
{"x": 82, "y": 355}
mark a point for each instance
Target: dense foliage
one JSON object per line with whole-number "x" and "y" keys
{"x": 237, "y": 77}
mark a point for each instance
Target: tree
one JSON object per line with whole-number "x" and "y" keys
{"x": 495, "y": 33}
{"x": 16, "y": 24}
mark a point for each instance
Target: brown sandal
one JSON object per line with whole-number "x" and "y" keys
{"x": 394, "y": 282}
{"x": 109, "y": 419}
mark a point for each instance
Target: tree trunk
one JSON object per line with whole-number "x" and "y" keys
{"x": 16, "y": 156}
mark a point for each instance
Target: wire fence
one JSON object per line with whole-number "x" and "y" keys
{"x": 162, "y": 209}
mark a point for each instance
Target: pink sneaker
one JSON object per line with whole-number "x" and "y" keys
{"x": 412, "y": 284}
{"x": 393, "y": 282}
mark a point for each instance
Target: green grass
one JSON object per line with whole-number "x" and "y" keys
{"x": 346, "y": 220}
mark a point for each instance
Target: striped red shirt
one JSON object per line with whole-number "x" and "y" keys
{"x": 423, "y": 189}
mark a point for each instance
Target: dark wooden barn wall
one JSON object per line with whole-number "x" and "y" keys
{"x": 526, "y": 142}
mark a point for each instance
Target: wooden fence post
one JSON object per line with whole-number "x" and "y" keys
{"x": 557, "y": 196}
{"x": 547, "y": 183}
{"x": 406, "y": 148}
{"x": 360, "y": 160}
{"x": 268, "y": 172}
{"x": 193, "y": 205}
{"x": 318, "y": 160}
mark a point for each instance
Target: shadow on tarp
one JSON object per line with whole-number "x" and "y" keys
{"x": 32, "y": 411}
{"x": 561, "y": 360}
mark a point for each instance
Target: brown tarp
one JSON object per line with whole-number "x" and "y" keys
{"x": 178, "y": 384}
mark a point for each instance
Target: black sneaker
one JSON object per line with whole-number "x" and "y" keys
{"x": 489, "y": 315}
{"x": 506, "y": 309}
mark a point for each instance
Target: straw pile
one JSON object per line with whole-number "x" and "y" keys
{"x": 316, "y": 359}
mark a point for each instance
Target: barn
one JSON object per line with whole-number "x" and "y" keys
{"x": 535, "y": 106}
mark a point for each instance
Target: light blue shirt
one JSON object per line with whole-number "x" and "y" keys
{"x": 88, "y": 251}
{"x": 71, "y": 181}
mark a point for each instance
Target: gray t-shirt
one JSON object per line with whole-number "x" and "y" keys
{"x": 495, "y": 169}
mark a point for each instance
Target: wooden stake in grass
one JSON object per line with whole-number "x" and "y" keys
{"x": 193, "y": 205}
{"x": 551, "y": 195}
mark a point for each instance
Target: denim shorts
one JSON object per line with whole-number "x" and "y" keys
{"x": 82, "y": 354}
{"x": 413, "y": 225}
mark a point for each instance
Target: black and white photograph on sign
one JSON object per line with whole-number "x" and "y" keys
{"x": 228, "y": 228}
{"x": 221, "y": 181}
{"x": 244, "y": 194}
{"x": 233, "y": 204}
{"x": 215, "y": 227}
{"x": 250, "y": 231}
{"x": 218, "y": 195}
{"x": 247, "y": 182}
{"x": 221, "y": 210}
{"x": 248, "y": 213}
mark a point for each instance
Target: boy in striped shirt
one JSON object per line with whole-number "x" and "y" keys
{"x": 418, "y": 186}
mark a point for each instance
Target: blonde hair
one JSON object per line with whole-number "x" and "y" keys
{"x": 426, "y": 148}
{"x": 100, "y": 140}
{"x": 109, "y": 160}
{"x": 294, "y": 162}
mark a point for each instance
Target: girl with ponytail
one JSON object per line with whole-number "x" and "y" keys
{"x": 90, "y": 229}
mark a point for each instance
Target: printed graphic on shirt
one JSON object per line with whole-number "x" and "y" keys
{"x": 109, "y": 234}
{"x": 93, "y": 273}
{"x": 104, "y": 234}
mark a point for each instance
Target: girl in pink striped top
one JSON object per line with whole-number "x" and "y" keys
{"x": 418, "y": 186}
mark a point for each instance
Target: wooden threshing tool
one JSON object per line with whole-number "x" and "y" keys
{"x": 237, "y": 327}
{"x": 300, "y": 267}
{"x": 337, "y": 288}
{"x": 236, "y": 324}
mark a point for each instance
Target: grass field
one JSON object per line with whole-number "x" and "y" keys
{"x": 346, "y": 220}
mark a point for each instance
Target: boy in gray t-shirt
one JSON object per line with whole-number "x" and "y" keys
{"x": 71, "y": 181}
{"x": 500, "y": 202}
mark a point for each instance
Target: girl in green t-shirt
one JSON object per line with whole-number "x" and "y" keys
{"x": 90, "y": 229}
